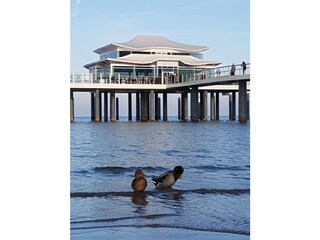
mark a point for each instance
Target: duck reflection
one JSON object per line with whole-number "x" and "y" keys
{"x": 139, "y": 198}
{"x": 175, "y": 196}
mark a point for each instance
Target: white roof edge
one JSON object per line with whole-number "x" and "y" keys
{"x": 145, "y": 42}
{"x": 156, "y": 58}
{"x": 204, "y": 48}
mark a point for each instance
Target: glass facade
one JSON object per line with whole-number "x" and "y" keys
{"x": 116, "y": 54}
{"x": 112, "y": 54}
{"x": 197, "y": 55}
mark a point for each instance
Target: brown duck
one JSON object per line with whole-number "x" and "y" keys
{"x": 139, "y": 182}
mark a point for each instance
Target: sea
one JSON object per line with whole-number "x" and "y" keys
{"x": 210, "y": 201}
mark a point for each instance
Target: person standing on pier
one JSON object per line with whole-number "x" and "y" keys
{"x": 244, "y": 67}
{"x": 233, "y": 70}
{"x": 218, "y": 72}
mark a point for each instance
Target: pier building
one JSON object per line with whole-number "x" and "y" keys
{"x": 148, "y": 66}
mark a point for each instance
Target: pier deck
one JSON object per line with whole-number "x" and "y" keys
{"x": 201, "y": 83}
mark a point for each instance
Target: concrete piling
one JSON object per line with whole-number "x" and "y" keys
{"x": 117, "y": 108}
{"x": 97, "y": 106}
{"x": 92, "y": 106}
{"x": 185, "y": 106}
{"x": 105, "y": 107}
{"x": 112, "y": 106}
{"x": 194, "y": 104}
{"x": 130, "y": 106}
{"x": 144, "y": 106}
{"x": 138, "y": 114}
{"x": 71, "y": 107}
{"x": 212, "y": 106}
{"x": 165, "y": 107}
{"x": 242, "y": 101}
{"x": 151, "y": 106}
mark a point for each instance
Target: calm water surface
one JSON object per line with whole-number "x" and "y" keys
{"x": 213, "y": 194}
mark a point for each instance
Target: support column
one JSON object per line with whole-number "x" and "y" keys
{"x": 151, "y": 106}
{"x": 233, "y": 116}
{"x": 201, "y": 106}
{"x": 138, "y": 107}
{"x": 182, "y": 106}
{"x": 117, "y": 108}
{"x": 179, "y": 108}
{"x": 144, "y": 106}
{"x": 97, "y": 106}
{"x": 148, "y": 106}
{"x": 156, "y": 100}
{"x": 105, "y": 107}
{"x": 217, "y": 105}
{"x": 130, "y": 106}
{"x": 100, "y": 106}
{"x": 92, "y": 106}
{"x": 212, "y": 107}
{"x": 230, "y": 106}
{"x": 159, "y": 106}
{"x": 165, "y": 107}
{"x": 205, "y": 105}
{"x": 185, "y": 106}
{"x": 242, "y": 101}
{"x": 71, "y": 106}
{"x": 248, "y": 106}
{"x": 112, "y": 106}
{"x": 194, "y": 104}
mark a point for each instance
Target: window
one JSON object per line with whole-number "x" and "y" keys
{"x": 113, "y": 54}
{"x": 197, "y": 55}
{"x": 124, "y": 53}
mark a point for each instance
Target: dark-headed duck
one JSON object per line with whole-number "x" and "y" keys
{"x": 167, "y": 179}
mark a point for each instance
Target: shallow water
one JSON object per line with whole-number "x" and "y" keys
{"x": 213, "y": 194}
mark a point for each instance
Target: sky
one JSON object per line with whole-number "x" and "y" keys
{"x": 223, "y": 25}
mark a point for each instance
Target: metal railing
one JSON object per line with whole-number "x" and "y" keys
{"x": 100, "y": 78}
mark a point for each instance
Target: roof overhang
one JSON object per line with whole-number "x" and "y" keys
{"x": 149, "y": 42}
{"x": 141, "y": 59}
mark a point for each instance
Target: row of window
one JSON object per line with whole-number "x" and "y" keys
{"x": 116, "y": 54}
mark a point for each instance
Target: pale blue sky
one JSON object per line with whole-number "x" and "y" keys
{"x": 223, "y": 25}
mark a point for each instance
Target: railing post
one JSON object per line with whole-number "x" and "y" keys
{"x": 72, "y": 77}
{"x": 101, "y": 78}
{"x": 82, "y": 78}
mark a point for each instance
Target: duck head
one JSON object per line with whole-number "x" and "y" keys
{"x": 178, "y": 170}
{"x": 139, "y": 174}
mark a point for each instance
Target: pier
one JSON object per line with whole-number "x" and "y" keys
{"x": 197, "y": 85}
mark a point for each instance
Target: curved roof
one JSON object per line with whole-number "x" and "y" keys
{"x": 152, "y": 59}
{"x": 145, "y": 42}
{"x": 149, "y": 59}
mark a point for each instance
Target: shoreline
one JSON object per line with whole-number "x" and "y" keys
{"x": 137, "y": 233}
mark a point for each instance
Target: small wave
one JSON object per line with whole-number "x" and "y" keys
{"x": 168, "y": 227}
{"x": 172, "y": 152}
{"x": 155, "y": 193}
{"x": 122, "y": 170}
{"x": 219, "y": 167}
{"x": 150, "y": 216}
{"x": 80, "y": 172}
